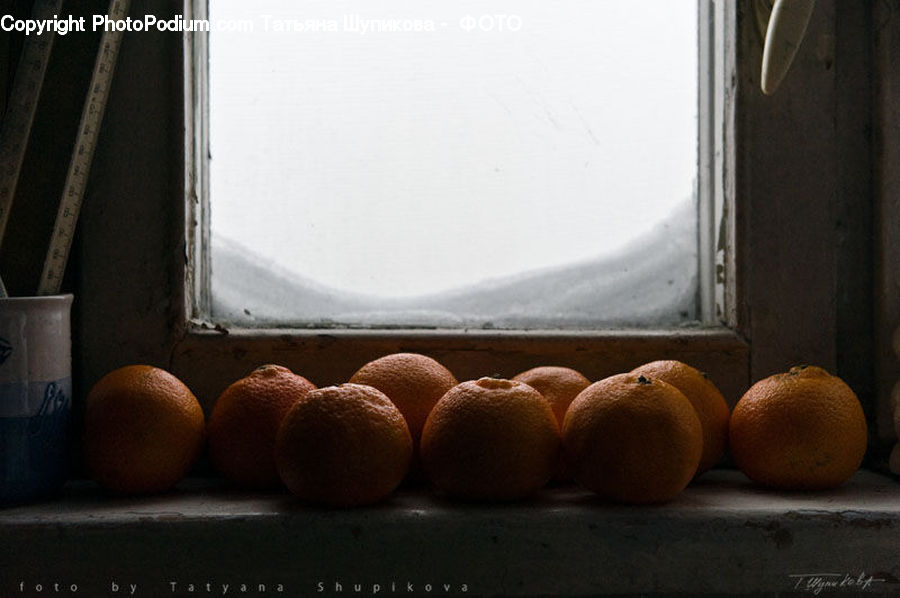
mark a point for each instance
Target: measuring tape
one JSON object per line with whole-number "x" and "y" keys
{"x": 26, "y": 89}
{"x": 82, "y": 154}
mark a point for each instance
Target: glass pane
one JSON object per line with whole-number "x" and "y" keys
{"x": 455, "y": 164}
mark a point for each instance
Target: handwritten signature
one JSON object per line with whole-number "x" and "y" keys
{"x": 816, "y": 583}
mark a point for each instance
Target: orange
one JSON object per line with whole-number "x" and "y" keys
{"x": 708, "y": 402}
{"x": 803, "y": 429}
{"x": 245, "y": 420}
{"x": 490, "y": 439}
{"x": 344, "y": 445}
{"x": 559, "y": 385}
{"x": 413, "y": 382}
{"x": 632, "y": 439}
{"x": 143, "y": 429}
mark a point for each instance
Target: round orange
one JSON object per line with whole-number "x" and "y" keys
{"x": 632, "y": 439}
{"x": 245, "y": 420}
{"x": 344, "y": 445}
{"x": 490, "y": 439}
{"x": 804, "y": 429}
{"x": 413, "y": 382}
{"x": 143, "y": 430}
{"x": 707, "y": 400}
{"x": 560, "y": 386}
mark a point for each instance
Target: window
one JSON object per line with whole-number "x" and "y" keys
{"x": 792, "y": 286}
{"x": 799, "y": 176}
{"x": 407, "y": 164}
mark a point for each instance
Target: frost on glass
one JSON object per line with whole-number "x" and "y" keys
{"x": 535, "y": 174}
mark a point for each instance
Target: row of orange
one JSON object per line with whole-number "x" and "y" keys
{"x": 638, "y": 437}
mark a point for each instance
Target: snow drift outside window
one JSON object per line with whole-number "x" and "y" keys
{"x": 464, "y": 164}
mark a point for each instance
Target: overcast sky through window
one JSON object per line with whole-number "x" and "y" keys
{"x": 405, "y": 163}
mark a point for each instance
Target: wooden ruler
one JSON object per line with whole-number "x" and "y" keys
{"x": 82, "y": 154}
{"x": 19, "y": 117}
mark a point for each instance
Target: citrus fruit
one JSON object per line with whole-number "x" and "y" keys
{"x": 413, "y": 382}
{"x": 344, "y": 445}
{"x": 632, "y": 439}
{"x": 245, "y": 420}
{"x": 804, "y": 429}
{"x": 143, "y": 429}
{"x": 490, "y": 439}
{"x": 559, "y": 386}
{"x": 708, "y": 402}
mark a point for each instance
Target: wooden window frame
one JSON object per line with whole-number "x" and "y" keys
{"x": 796, "y": 219}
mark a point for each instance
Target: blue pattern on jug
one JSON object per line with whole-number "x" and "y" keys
{"x": 34, "y": 446}
{"x": 53, "y": 412}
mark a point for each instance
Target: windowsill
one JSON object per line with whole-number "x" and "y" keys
{"x": 721, "y": 535}
{"x": 208, "y": 360}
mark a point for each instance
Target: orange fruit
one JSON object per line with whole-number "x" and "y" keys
{"x": 804, "y": 429}
{"x": 559, "y": 385}
{"x": 344, "y": 445}
{"x": 143, "y": 429}
{"x": 245, "y": 420}
{"x": 632, "y": 439}
{"x": 413, "y": 382}
{"x": 490, "y": 439}
{"x": 708, "y": 402}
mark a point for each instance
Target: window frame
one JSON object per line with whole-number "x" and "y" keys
{"x": 776, "y": 313}
{"x": 596, "y": 352}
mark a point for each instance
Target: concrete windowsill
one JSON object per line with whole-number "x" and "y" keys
{"x": 722, "y": 535}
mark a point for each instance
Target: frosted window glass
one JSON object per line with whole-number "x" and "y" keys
{"x": 523, "y": 164}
